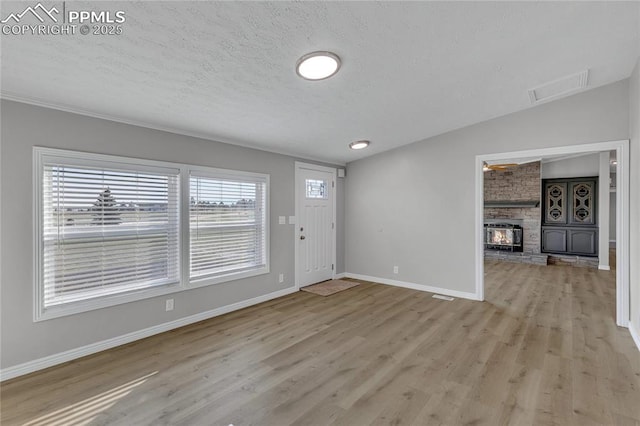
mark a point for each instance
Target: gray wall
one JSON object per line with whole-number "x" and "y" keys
{"x": 340, "y": 200}
{"x": 414, "y": 206}
{"x": 25, "y": 126}
{"x": 612, "y": 215}
{"x": 585, "y": 165}
{"x": 634, "y": 214}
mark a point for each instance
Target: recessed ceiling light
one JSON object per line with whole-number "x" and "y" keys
{"x": 318, "y": 65}
{"x": 359, "y": 144}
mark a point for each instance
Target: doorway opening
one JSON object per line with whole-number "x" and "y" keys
{"x": 621, "y": 149}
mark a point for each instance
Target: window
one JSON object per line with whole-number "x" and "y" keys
{"x": 316, "y": 188}
{"x": 227, "y": 225}
{"x": 106, "y": 228}
{"x": 109, "y": 229}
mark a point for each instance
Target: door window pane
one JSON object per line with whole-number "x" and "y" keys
{"x": 316, "y": 188}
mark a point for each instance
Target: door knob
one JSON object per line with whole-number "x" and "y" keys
{"x": 302, "y": 237}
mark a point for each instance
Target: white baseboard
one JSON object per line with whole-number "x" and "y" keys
{"x": 340, "y": 276}
{"x": 604, "y": 267}
{"x": 51, "y": 360}
{"x": 634, "y": 334}
{"x": 414, "y": 286}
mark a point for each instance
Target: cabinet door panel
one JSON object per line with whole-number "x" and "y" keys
{"x": 555, "y": 203}
{"x": 583, "y": 241}
{"x": 583, "y": 203}
{"x": 554, "y": 240}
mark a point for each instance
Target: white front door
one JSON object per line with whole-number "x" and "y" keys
{"x": 315, "y": 198}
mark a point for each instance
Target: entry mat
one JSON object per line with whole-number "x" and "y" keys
{"x": 327, "y": 288}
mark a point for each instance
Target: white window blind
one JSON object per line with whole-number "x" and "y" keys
{"x": 227, "y": 225}
{"x": 107, "y": 228}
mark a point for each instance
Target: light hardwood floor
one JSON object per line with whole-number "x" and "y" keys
{"x": 543, "y": 349}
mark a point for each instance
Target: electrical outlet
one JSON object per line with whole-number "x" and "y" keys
{"x": 168, "y": 306}
{"x": 395, "y": 269}
{"x": 281, "y": 278}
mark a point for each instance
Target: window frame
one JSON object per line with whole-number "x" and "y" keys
{"x": 42, "y": 154}
{"x": 210, "y": 172}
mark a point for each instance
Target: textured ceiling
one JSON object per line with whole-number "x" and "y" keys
{"x": 411, "y": 70}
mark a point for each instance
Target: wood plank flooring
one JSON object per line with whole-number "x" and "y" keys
{"x": 543, "y": 349}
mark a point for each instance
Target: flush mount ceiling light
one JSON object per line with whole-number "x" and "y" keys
{"x": 318, "y": 65}
{"x": 359, "y": 144}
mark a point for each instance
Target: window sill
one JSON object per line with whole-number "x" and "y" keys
{"x": 104, "y": 302}
{"x": 231, "y": 276}
{"x": 148, "y": 293}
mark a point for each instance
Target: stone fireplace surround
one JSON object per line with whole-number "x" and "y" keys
{"x": 518, "y": 183}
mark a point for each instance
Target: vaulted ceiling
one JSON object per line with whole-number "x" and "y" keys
{"x": 411, "y": 70}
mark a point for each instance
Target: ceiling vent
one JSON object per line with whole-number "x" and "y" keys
{"x": 559, "y": 88}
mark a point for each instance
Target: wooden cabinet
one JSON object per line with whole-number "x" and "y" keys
{"x": 569, "y": 216}
{"x": 570, "y": 241}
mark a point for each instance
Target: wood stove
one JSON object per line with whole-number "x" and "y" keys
{"x": 503, "y": 236}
